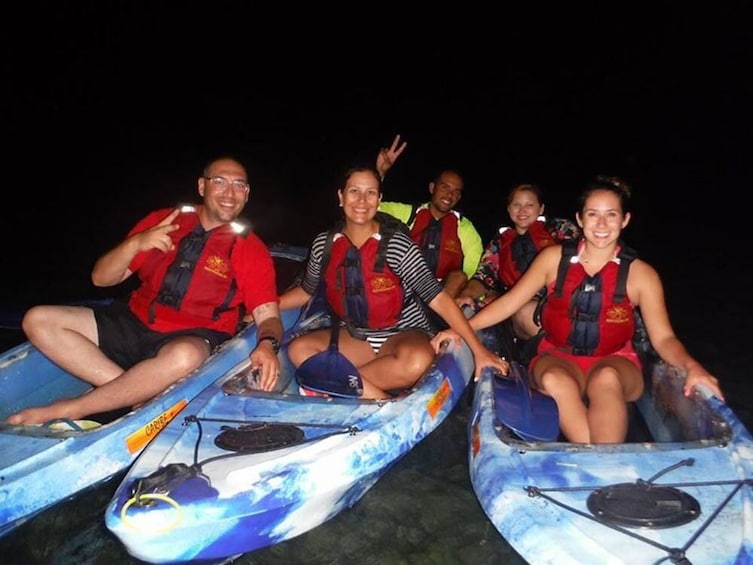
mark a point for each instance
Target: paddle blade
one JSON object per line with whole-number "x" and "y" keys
{"x": 533, "y": 416}
{"x": 330, "y": 372}
{"x": 316, "y": 314}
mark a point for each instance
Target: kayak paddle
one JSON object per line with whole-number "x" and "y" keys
{"x": 532, "y": 415}
{"x": 330, "y": 372}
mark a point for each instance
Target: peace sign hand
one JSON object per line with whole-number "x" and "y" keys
{"x": 158, "y": 237}
{"x": 387, "y": 157}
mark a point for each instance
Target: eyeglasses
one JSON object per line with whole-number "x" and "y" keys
{"x": 221, "y": 183}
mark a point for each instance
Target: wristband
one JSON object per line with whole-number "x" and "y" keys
{"x": 275, "y": 342}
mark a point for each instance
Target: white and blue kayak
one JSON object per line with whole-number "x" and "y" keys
{"x": 678, "y": 491}
{"x": 243, "y": 469}
{"x": 43, "y": 465}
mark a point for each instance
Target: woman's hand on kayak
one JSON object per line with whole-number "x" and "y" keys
{"x": 437, "y": 342}
{"x": 486, "y": 358}
{"x": 697, "y": 375}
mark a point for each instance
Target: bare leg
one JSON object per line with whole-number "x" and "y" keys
{"x": 523, "y": 325}
{"x": 67, "y": 335}
{"x": 308, "y": 345}
{"x": 399, "y": 364}
{"x": 611, "y": 384}
{"x": 454, "y": 282}
{"x": 401, "y": 361}
{"x": 560, "y": 379}
{"x": 607, "y": 410}
{"x": 143, "y": 381}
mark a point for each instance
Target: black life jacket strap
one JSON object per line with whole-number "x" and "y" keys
{"x": 413, "y": 211}
{"x": 178, "y": 277}
{"x": 388, "y": 225}
{"x": 231, "y": 291}
{"x": 626, "y": 255}
{"x": 523, "y": 251}
{"x": 569, "y": 250}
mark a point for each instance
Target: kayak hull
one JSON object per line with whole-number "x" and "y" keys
{"x": 43, "y": 465}
{"x": 686, "y": 495}
{"x": 239, "y": 502}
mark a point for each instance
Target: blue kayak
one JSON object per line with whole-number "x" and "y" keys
{"x": 678, "y": 491}
{"x": 43, "y": 465}
{"x": 243, "y": 469}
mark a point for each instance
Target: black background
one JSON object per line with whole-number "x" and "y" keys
{"x": 114, "y": 108}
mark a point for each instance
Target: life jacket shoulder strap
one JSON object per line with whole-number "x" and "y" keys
{"x": 570, "y": 249}
{"x": 388, "y": 225}
{"x": 626, "y": 255}
{"x": 327, "y": 251}
{"x": 413, "y": 212}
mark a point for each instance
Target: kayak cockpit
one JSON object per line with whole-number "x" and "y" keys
{"x": 663, "y": 418}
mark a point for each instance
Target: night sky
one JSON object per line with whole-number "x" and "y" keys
{"x": 113, "y": 108}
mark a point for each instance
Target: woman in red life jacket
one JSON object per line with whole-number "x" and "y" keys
{"x": 586, "y": 360}
{"x": 509, "y": 254}
{"x": 376, "y": 292}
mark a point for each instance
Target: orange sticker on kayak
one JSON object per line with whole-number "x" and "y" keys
{"x": 476, "y": 439}
{"x": 439, "y": 399}
{"x": 138, "y": 439}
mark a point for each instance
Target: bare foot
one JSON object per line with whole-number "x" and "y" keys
{"x": 42, "y": 414}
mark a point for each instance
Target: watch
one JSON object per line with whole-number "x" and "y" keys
{"x": 274, "y": 341}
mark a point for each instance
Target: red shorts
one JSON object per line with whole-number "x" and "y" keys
{"x": 585, "y": 362}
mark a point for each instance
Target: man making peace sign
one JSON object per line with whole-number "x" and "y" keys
{"x": 198, "y": 274}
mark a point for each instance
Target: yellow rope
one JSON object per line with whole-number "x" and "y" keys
{"x": 155, "y": 496}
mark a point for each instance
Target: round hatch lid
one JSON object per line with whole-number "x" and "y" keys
{"x": 643, "y": 505}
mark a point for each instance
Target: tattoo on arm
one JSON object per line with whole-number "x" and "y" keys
{"x": 265, "y": 311}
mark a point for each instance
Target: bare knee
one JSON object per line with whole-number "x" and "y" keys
{"x": 523, "y": 324}
{"x": 186, "y": 354}
{"x": 301, "y": 349}
{"x": 36, "y": 319}
{"x": 556, "y": 381}
{"x": 414, "y": 360}
{"x": 604, "y": 379}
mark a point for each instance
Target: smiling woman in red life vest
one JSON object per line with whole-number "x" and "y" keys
{"x": 508, "y": 255}
{"x": 376, "y": 280}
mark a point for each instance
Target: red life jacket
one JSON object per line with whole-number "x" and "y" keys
{"x": 194, "y": 284}
{"x": 516, "y": 252}
{"x": 358, "y": 290}
{"x": 589, "y": 315}
{"x": 438, "y": 241}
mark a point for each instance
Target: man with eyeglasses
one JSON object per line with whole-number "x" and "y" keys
{"x": 199, "y": 275}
